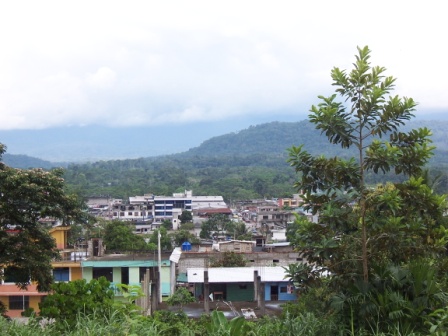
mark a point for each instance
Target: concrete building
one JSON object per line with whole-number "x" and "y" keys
{"x": 127, "y": 269}
{"x": 238, "y": 283}
{"x": 149, "y": 211}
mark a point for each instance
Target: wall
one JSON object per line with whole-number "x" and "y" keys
{"x": 59, "y": 234}
{"x": 33, "y": 303}
{"x": 240, "y": 292}
{"x": 200, "y": 260}
{"x": 75, "y": 273}
{"x": 236, "y": 246}
{"x": 280, "y": 296}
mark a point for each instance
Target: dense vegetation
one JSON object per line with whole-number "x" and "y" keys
{"x": 26, "y": 196}
{"x": 250, "y": 164}
{"x": 383, "y": 248}
{"x": 244, "y": 165}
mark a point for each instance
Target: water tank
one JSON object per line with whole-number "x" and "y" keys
{"x": 186, "y": 246}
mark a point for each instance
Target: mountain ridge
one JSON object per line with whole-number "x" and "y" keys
{"x": 272, "y": 138}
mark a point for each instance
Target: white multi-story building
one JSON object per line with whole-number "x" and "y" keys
{"x": 155, "y": 209}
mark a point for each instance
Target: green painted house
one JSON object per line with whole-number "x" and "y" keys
{"x": 126, "y": 269}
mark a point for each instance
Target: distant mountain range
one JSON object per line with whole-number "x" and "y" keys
{"x": 25, "y": 162}
{"x": 270, "y": 138}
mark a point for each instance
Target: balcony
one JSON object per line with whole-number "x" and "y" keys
{"x": 115, "y": 286}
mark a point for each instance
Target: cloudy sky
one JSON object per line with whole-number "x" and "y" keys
{"x": 158, "y": 63}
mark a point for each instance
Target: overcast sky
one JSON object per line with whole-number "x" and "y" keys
{"x": 134, "y": 63}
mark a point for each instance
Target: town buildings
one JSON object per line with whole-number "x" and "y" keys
{"x": 267, "y": 252}
{"x": 149, "y": 211}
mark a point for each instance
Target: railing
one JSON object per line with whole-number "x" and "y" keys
{"x": 118, "y": 291}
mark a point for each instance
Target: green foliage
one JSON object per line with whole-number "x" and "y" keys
{"x": 75, "y": 234}
{"x": 219, "y": 325}
{"x": 232, "y": 177}
{"x": 241, "y": 232}
{"x": 180, "y": 297}
{"x": 165, "y": 239}
{"x": 28, "y": 312}
{"x": 27, "y": 196}
{"x": 177, "y": 323}
{"x": 254, "y": 162}
{"x": 304, "y": 323}
{"x": 182, "y": 236}
{"x": 396, "y": 295}
{"x": 119, "y": 236}
{"x": 216, "y": 225}
{"x": 187, "y": 226}
{"x": 302, "y": 275}
{"x": 167, "y": 224}
{"x": 130, "y": 293}
{"x": 362, "y": 228}
{"x": 69, "y": 299}
{"x": 229, "y": 259}
{"x": 186, "y": 217}
{"x": 314, "y": 300}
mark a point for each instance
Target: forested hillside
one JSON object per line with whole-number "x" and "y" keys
{"x": 248, "y": 164}
{"x": 25, "y": 162}
{"x": 276, "y": 137}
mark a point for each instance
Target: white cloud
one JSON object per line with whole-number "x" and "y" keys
{"x": 153, "y": 62}
{"x": 103, "y": 78}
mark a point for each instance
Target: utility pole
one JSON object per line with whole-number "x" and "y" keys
{"x": 160, "y": 265}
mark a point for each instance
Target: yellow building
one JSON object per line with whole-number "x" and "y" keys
{"x": 17, "y": 300}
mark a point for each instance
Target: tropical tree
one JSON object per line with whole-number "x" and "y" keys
{"x": 181, "y": 236}
{"x": 364, "y": 228}
{"x": 167, "y": 224}
{"x": 241, "y": 231}
{"x": 217, "y": 224}
{"x": 180, "y": 297}
{"x": 186, "y": 217}
{"x": 335, "y": 187}
{"x": 165, "y": 239}
{"x": 27, "y": 196}
{"x": 119, "y": 235}
{"x": 68, "y": 299}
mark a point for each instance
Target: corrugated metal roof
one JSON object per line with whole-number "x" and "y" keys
{"x": 236, "y": 274}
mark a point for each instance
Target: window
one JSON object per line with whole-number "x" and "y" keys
{"x": 103, "y": 271}
{"x": 61, "y": 274}
{"x": 21, "y": 302}
{"x": 179, "y": 204}
{"x": 14, "y": 274}
{"x": 283, "y": 289}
